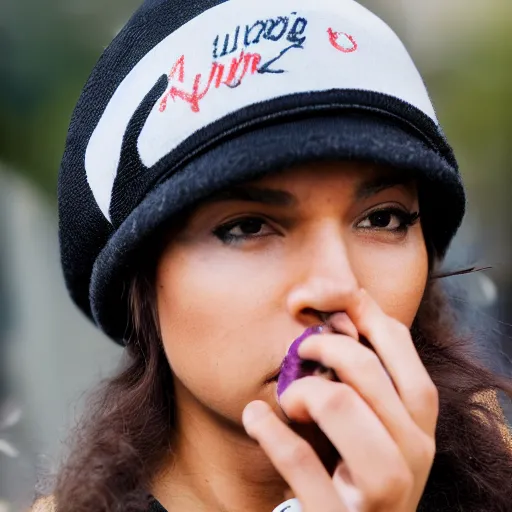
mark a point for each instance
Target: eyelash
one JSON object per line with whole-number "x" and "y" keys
{"x": 406, "y": 220}
{"x": 222, "y": 232}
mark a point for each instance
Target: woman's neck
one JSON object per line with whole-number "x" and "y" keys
{"x": 215, "y": 467}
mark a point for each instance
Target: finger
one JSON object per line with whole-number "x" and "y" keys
{"x": 294, "y": 458}
{"x": 360, "y": 368}
{"x": 352, "y": 496}
{"x": 342, "y": 324}
{"x": 392, "y": 341}
{"x": 374, "y": 461}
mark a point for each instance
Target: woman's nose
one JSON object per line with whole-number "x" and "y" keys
{"x": 324, "y": 280}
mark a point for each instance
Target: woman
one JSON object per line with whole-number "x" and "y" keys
{"x": 236, "y": 174}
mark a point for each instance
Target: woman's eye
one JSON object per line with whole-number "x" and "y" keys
{"x": 242, "y": 229}
{"x": 389, "y": 220}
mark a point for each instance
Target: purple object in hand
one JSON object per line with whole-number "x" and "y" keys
{"x": 293, "y": 366}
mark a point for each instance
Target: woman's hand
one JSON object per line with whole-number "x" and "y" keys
{"x": 384, "y": 428}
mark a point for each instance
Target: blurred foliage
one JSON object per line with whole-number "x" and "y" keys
{"x": 473, "y": 97}
{"x": 47, "y": 52}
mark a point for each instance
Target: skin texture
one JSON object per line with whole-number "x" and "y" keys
{"x": 229, "y": 312}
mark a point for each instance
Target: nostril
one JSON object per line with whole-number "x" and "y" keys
{"x": 324, "y": 316}
{"x": 312, "y": 312}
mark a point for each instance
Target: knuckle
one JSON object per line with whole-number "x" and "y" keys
{"x": 400, "y": 329}
{"x": 339, "y": 398}
{"x": 297, "y": 453}
{"x": 404, "y": 481}
{"x": 369, "y": 362}
{"x": 391, "y": 489}
{"x": 366, "y": 326}
{"x": 425, "y": 450}
{"x": 429, "y": 396}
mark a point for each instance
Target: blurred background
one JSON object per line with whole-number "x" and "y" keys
{"x": 50, "y": 355}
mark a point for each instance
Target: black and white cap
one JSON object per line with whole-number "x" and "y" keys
{"x": 192, "y": 97}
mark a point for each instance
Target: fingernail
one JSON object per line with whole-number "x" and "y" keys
{"x": 254, "y": 412}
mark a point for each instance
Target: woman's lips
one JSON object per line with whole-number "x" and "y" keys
{"x": 308, "y": 332}
{"x": 293, "y": 367}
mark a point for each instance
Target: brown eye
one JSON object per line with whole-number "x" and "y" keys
{"x": 251, "y": 226}
{"x": 242, "y": 229}
{"x": 391, "y": 219}
{"x": 381, "y": 219}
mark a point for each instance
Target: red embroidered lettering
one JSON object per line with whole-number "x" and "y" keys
{"x": 250, "y": 62}
{"x": 180, "y": 63}
{"x": 334, "y": 40}
{"x": 195, "y": 97}
{"x": 220, "y": 75}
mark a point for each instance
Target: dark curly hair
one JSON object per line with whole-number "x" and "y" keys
{"x": 128, "y": 428}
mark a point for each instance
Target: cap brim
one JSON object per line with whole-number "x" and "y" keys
{"x": 254, "y": 154}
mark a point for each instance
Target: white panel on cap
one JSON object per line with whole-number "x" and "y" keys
{"x": 345, "y": 46}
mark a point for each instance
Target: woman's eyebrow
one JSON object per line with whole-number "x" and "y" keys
{"x": 373, "y": 186}
{"x": 269, "y": 196}
{"x": 275, "y": 197}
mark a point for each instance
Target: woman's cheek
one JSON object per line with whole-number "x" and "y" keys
{"x": 396, "y": 277}
{"x": 211, "y": 310}
{"x": 209, "y": 305}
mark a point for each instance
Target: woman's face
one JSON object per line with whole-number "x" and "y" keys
{"x": 252, "y": 268}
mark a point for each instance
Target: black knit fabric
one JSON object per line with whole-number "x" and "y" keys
{"x": 98, "y": 256}
{"x": 83, "y": 230}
